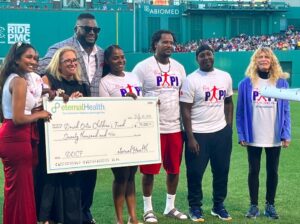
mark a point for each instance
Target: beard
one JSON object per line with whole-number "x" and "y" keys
{"x": 85, "y": 43}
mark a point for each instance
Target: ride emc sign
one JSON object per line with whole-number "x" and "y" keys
{"x": 15, "y": 32}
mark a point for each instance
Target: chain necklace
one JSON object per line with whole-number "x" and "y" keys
{"x": 161, "y": 71}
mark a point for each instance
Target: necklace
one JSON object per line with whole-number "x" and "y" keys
{"x": 161, "y": 71}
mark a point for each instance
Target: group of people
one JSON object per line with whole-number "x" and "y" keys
{"x": 77, "y": 67}
{"x": 290, "y": 40}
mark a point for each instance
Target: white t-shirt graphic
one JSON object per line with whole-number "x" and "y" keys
{"x": 207, "y": 91}
{"x": 264, "y": 123}
{"x": 163, "y": 81}
{"x": 119, "y": 86}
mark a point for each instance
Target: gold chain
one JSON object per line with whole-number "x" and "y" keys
{"x": 161, "y": 71}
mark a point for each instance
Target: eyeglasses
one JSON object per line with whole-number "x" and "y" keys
{"x": 70, "y": 61}
{"x": 88, "y": 29}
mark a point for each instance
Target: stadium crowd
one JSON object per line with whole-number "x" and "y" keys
{"x": 289, "y": 40}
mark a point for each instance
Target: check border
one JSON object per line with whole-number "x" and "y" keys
{"x": 123, "y": 104}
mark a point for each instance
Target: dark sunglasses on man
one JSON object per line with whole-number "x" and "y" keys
{"x": 88, "y": 29}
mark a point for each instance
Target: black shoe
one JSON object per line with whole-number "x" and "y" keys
{"x": 93, "y": 221}
{"x": 221, "y": 213}
{"x": 253, "y": 212}
{"x": 270, "y": 211}
{"x": 196, "y": 214}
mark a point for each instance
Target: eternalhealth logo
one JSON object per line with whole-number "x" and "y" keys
{"x": 77, "y": 107}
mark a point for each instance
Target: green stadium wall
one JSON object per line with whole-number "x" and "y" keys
{"x": 233, "y": 62}
{"x": 46, "y": 27}
{"x": 50, "y": 26}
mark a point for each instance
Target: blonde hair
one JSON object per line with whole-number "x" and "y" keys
{"x": 53, "y": 67}
{"x": 275, "y": 68}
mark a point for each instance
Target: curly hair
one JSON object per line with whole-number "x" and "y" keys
{"x": 157, "y": 36}
{"x": 275, "y": 68}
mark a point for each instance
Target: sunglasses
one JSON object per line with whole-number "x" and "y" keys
{"x": 88, "y": 29}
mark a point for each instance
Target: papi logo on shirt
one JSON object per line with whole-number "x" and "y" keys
{"x": 214, "y": 94}
{"x": 166, "y": 80}
{"x": 131, "y": 89}
{"x": 259, "y": 99}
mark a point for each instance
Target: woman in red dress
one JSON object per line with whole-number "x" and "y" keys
{"x": 16, "y": 103}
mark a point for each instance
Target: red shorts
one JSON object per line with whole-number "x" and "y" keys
{"x": 171, "y": 154}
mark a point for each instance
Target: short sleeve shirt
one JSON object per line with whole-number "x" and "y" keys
{"x": 119, "y": 86}
{"x": 163, "y": 81}
{"x": 207, "y": 92}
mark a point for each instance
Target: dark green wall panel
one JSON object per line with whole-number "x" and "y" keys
{"x": 233, "y": 62}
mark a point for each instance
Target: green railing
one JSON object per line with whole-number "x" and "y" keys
{"x": 26, "y": 5}
{"x": 94, "y": 5}
{"x": 236, "y": 5}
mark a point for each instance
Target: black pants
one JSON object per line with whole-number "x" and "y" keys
{"x": 214, "y": 147}
{"x": 272, "y": 162}
{"x": 88, "y": 183}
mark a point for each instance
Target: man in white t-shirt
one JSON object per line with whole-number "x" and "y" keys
{"x": 207, "y": 109}
{"x": 162, "y": 76}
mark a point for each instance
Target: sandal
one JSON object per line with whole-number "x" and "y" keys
{"x": 131, "y": 222}
{"x": 174, "y": 213}
{"x": 149, "y": 217}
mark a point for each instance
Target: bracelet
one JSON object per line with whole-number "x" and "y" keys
{"x": 59, "y": 92}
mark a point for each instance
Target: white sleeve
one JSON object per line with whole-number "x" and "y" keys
{"x": 138, "y": 71}
{"x": 187, "y": 92}
{"x": 183, "y": 73}
{"x": 103, "y": 91}
{"x": 229, "y": 86}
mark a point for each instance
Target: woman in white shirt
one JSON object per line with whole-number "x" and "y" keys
{"x": 118, "y": 83}
{"x": 16, "y": 135}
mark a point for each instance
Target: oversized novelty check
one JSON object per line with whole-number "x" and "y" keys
{"x": 92, "y": 133}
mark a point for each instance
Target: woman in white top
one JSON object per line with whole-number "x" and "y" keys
{"x": 118, "y": 83}
{"x": 263, "y": 123}
{"x": 17, "y": 101}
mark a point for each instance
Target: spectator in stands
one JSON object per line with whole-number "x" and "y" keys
{"x": 263, "y": 123}
{"x": 90, "y": 59}
{"x": 207, "y": 112}
{"x": 17, "y": 100}
{"x": 287, "y": 41}
{"x": 156, "y": 74}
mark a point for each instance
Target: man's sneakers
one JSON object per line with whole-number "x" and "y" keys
{"x": 270, "y": 211}
{"x": 196, "y": 214}
{"x": 221, "y": 213}
{"x": 253, "y": 212}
